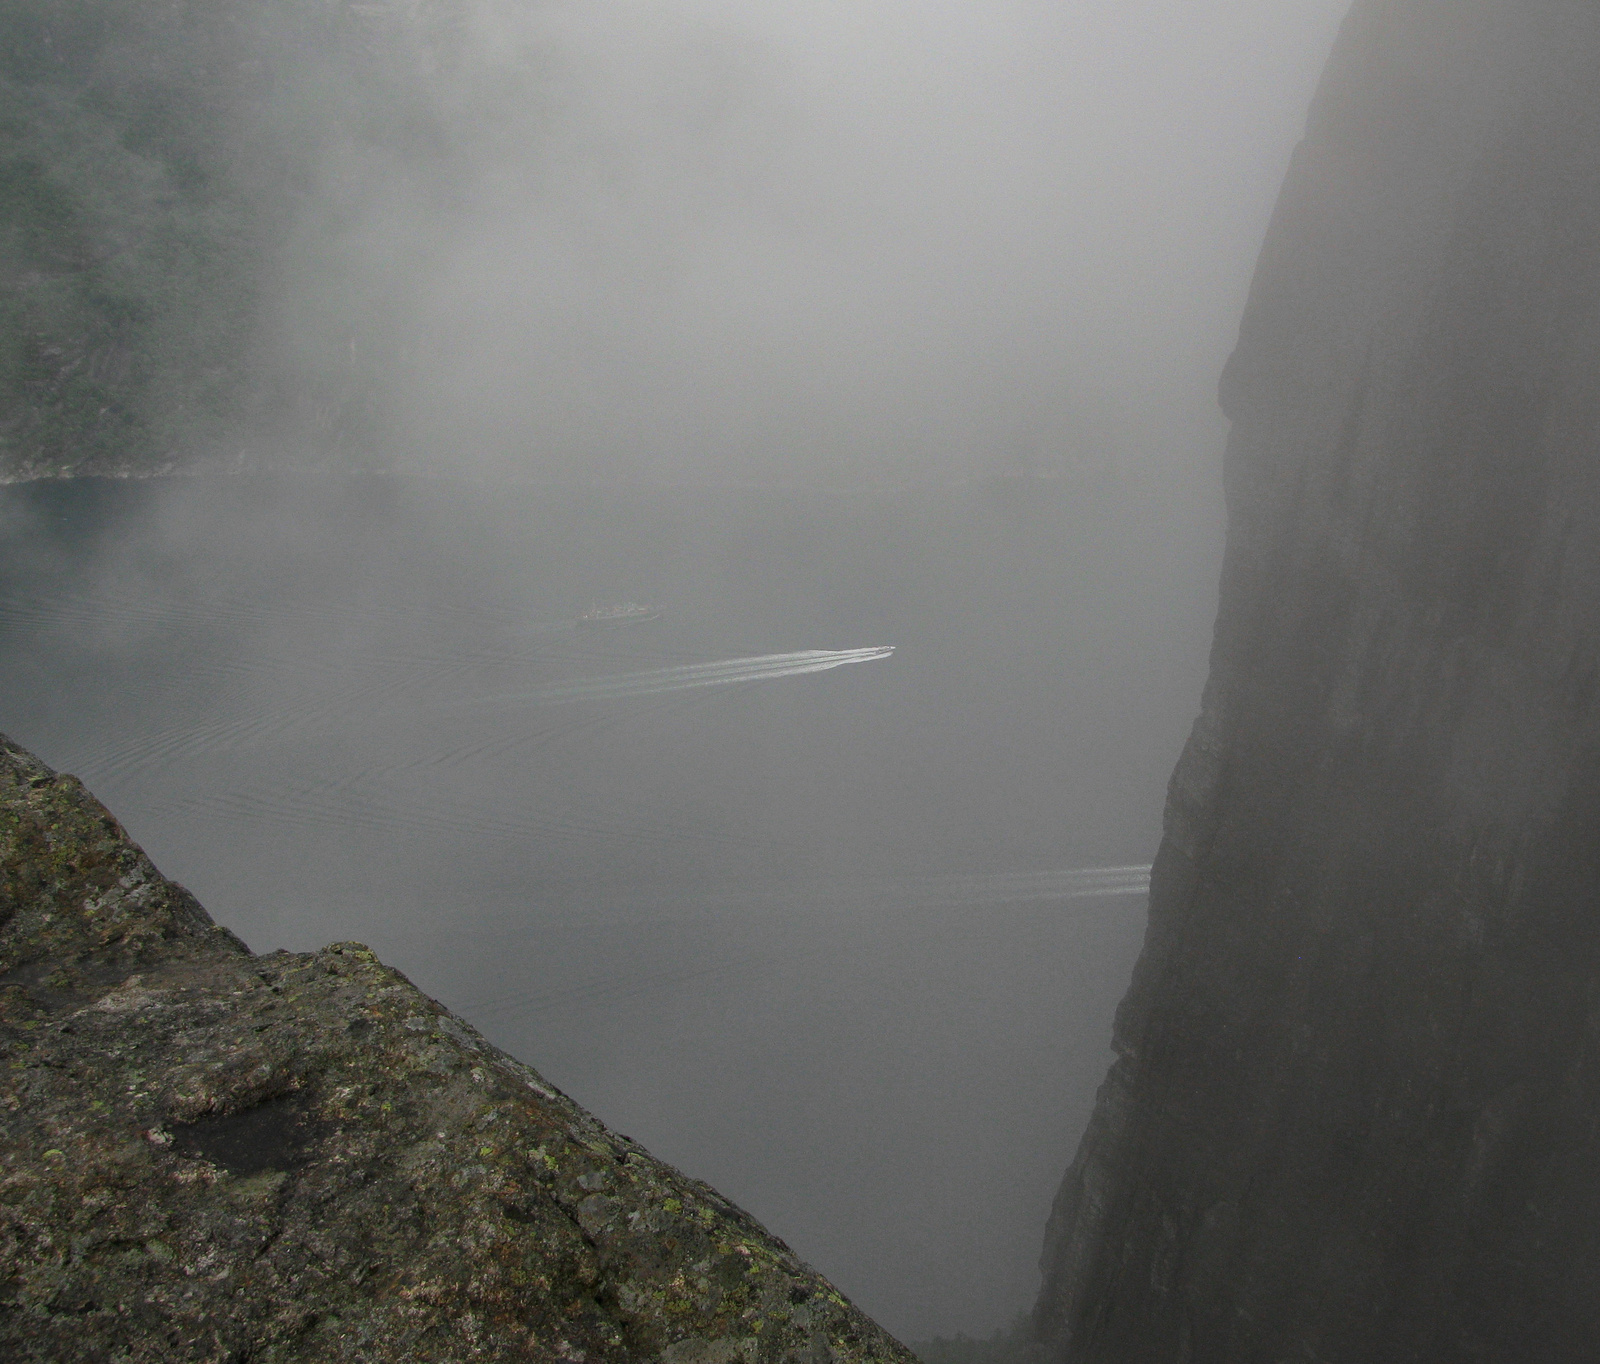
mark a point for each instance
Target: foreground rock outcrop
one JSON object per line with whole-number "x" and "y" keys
{"x": 209, "y": 1155}
{"x": 1356, "y": 1111}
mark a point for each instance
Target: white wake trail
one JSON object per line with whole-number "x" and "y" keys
{"x": 724, "y": 672}
{"x": 871, "y": 896}
{"x": 1075, "y": 883}
{"x": 220, "y": 736}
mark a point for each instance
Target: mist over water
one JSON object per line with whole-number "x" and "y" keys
{"x": 875, "y": 345}
{"x": 822, "y": 885}
{"x": 831, "y": 242}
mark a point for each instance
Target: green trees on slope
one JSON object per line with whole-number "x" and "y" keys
{"x": 127, "y": 253}
{"x": 177, "y": 184}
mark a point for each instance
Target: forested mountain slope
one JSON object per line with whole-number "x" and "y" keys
{"x": 187, "y": 199}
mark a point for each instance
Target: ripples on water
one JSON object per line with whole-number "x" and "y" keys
{"x": 824, "y": 885}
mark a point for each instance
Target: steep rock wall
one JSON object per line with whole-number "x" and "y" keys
{"x": 1355, "y": 1114}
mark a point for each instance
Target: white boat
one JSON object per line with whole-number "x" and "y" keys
{"x": 626, "y": 613}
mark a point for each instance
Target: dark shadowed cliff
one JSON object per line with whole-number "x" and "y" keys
{"x": 1356, "y": 1110}
{"x": 208, "y": 1155}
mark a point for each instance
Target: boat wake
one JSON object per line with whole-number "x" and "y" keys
{"x": 725, "y": 672}
{"x": 874, "y": 896}
{"x": 978, "y": 890}
{"x": 195, "y": 741}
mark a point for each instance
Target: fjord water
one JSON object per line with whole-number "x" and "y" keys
{"x": 795, "y": 884}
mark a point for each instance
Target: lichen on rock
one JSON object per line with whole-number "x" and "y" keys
{"x": 210, "y": 1155}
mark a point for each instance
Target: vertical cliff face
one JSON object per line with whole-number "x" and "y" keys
{"x": 1356, "y": 1110}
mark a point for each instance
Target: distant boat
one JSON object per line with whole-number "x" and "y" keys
{"x": 628, "y": 613}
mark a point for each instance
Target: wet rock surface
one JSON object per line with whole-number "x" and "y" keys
{"x": 209, "y": 1155}
{"x": 1356, "y": 1110}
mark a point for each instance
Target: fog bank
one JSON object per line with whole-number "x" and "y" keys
{"x": 839, "y": 241}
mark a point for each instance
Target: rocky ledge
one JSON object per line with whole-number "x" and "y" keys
{"x": 210, "y": 1155}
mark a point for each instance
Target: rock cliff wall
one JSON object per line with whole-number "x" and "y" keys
{"x": 1355, "y": 1114}
{"x": 208, "y": 1155}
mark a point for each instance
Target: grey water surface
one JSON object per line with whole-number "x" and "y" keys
{"x": 823, "y": 884}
